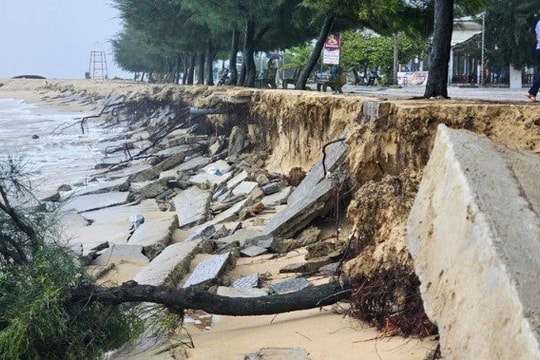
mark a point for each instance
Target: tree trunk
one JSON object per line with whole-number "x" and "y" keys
{"x": 232, "y": 57}
{"x": 249, "y": 50}
{"x": 210, "y": 54}
{"x": 191, "y": 71}
{"x": 325, "y": 30}
{"x": 242, "y": 76}
{"x": 199, "y": 299}
{"x": 437, "y": 83}
{"x": 200, "y": 68}
{"x": 178, "y": 69}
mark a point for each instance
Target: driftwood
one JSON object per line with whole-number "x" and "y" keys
{"x": 197, "y": 298}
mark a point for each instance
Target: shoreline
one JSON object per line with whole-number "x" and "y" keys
{"x": 323, "y": 333}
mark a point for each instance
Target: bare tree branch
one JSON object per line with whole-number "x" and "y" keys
{"x": 200, "y": 299}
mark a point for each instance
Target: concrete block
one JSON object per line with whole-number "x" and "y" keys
{"x": 191, "y": 206}
{"x": 290, "y": 285}
{"x": 474, "y": 234}
{"x": 246, "y": 282}
{"x": 241, "y": 292}
{"x": 215, "y": 173}
{"x": 207, "y": 270}
{"x": 95, "y": 201}
{"x": 120, "y": 253}
{"x": 155, "y": 234}
{"x": 192, "y": 164}
{"x": 171, "y": 265}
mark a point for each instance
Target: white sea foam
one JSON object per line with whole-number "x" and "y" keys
{"x": 56, "y": 157}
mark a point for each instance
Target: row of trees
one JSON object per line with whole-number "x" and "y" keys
{"x": 173, "y": 37}
{"x": 167, "y": 38}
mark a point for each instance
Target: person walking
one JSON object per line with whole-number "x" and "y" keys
{"x": 533, "y": 91}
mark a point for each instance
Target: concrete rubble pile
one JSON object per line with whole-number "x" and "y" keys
{"x": 167, "y": 191}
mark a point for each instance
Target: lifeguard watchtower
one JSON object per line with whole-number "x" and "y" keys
{"x": 98, "y": 66}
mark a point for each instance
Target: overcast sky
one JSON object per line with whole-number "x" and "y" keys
{"x": 54, "y": 38}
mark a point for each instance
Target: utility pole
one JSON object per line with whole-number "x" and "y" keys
{"x": 482, "y": 64}
{"x": 396, "y": 56}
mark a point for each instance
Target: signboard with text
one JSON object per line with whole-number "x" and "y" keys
{"x": 331, "y": 49}
{"x": 412, "y": 78}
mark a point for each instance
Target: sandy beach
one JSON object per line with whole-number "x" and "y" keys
{"x": 325, "y": 333}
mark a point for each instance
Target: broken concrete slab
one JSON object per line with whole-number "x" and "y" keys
{"x": 237, "y": 179}
{"x": 192, "y": 206}
{"x": 121, "y": 253}
{"x": 192, "y": 164}
{"x": 306, "y": 237}
{"x": 308, "y": 200}
{"x": 187, "y": 149}
{"x": 171, "y": 162}
{"x": 278, "y": 198}
{"x": 307, "y": 267}
{"x": 215, "y": 173}
{"x": 110, "y": 224}
{"x": 97, "y": 187}
{"x": 290, "y": 285}
{"x": 237, "y": 141}
{"x": 246, "y": 282}
{"x": 92, "y": 202}
{"x": 231, "y": 213}
{"x": 241, "y": 292}
{"x": 155, "y": 234}
{"x": 245, "y": 188}
{"x": 170, "y": 266}
{"x": 271, "y": 188}
{"x": 242, "y": 236}
{"x": 252, "y": 251}
{"x": 207, "y": 270}
{"x": 474, "y": 234}
{"x": 335, "y": 154}
{"x": 277, "y": 353}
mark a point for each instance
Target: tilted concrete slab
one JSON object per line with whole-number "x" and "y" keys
{"x": 278, "y": 198}
{"x": 171, "y": 265}
{"x": 118, "y": 253}
{"x": 215, "y": 173}
{"x": 192, "y": 164}
{"x": 155, "y": 234}
{"x": 207, "y": 270}
{"x": 192, "y": 206}
{"x": 245, "y": 188}
{"x": 242, "y": 236}
{"x": 335, "y": 153}
{"x": 97, "y": 188}
{"x": 95, "y": 201}
{"x": 308, "y": 200}
{"x": 237, "y": 179}
{"x": 474, "y": 234}
{"x": 111, "y": 224}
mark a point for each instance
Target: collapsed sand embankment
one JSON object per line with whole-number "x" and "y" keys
{"x": 389, "y": 145}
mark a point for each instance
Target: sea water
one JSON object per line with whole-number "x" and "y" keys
{"x": 50, "y": 143}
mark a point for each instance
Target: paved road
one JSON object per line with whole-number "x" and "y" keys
{"x": 493, "y": 94}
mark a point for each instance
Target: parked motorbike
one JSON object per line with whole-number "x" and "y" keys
{"x": 224, "y": 79}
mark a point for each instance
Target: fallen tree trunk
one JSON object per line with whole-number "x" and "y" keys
{"x": 200, "y": 299}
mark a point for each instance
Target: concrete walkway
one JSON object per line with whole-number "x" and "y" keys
{"x": 479, "y": 93}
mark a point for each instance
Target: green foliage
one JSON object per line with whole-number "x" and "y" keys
{"x": 36, "y": 324}
{"x": 362, "y": 51}
{"x": 510, "y": 36}
{"x": 297, "y": 57}
{"x": 35, "y": 275}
